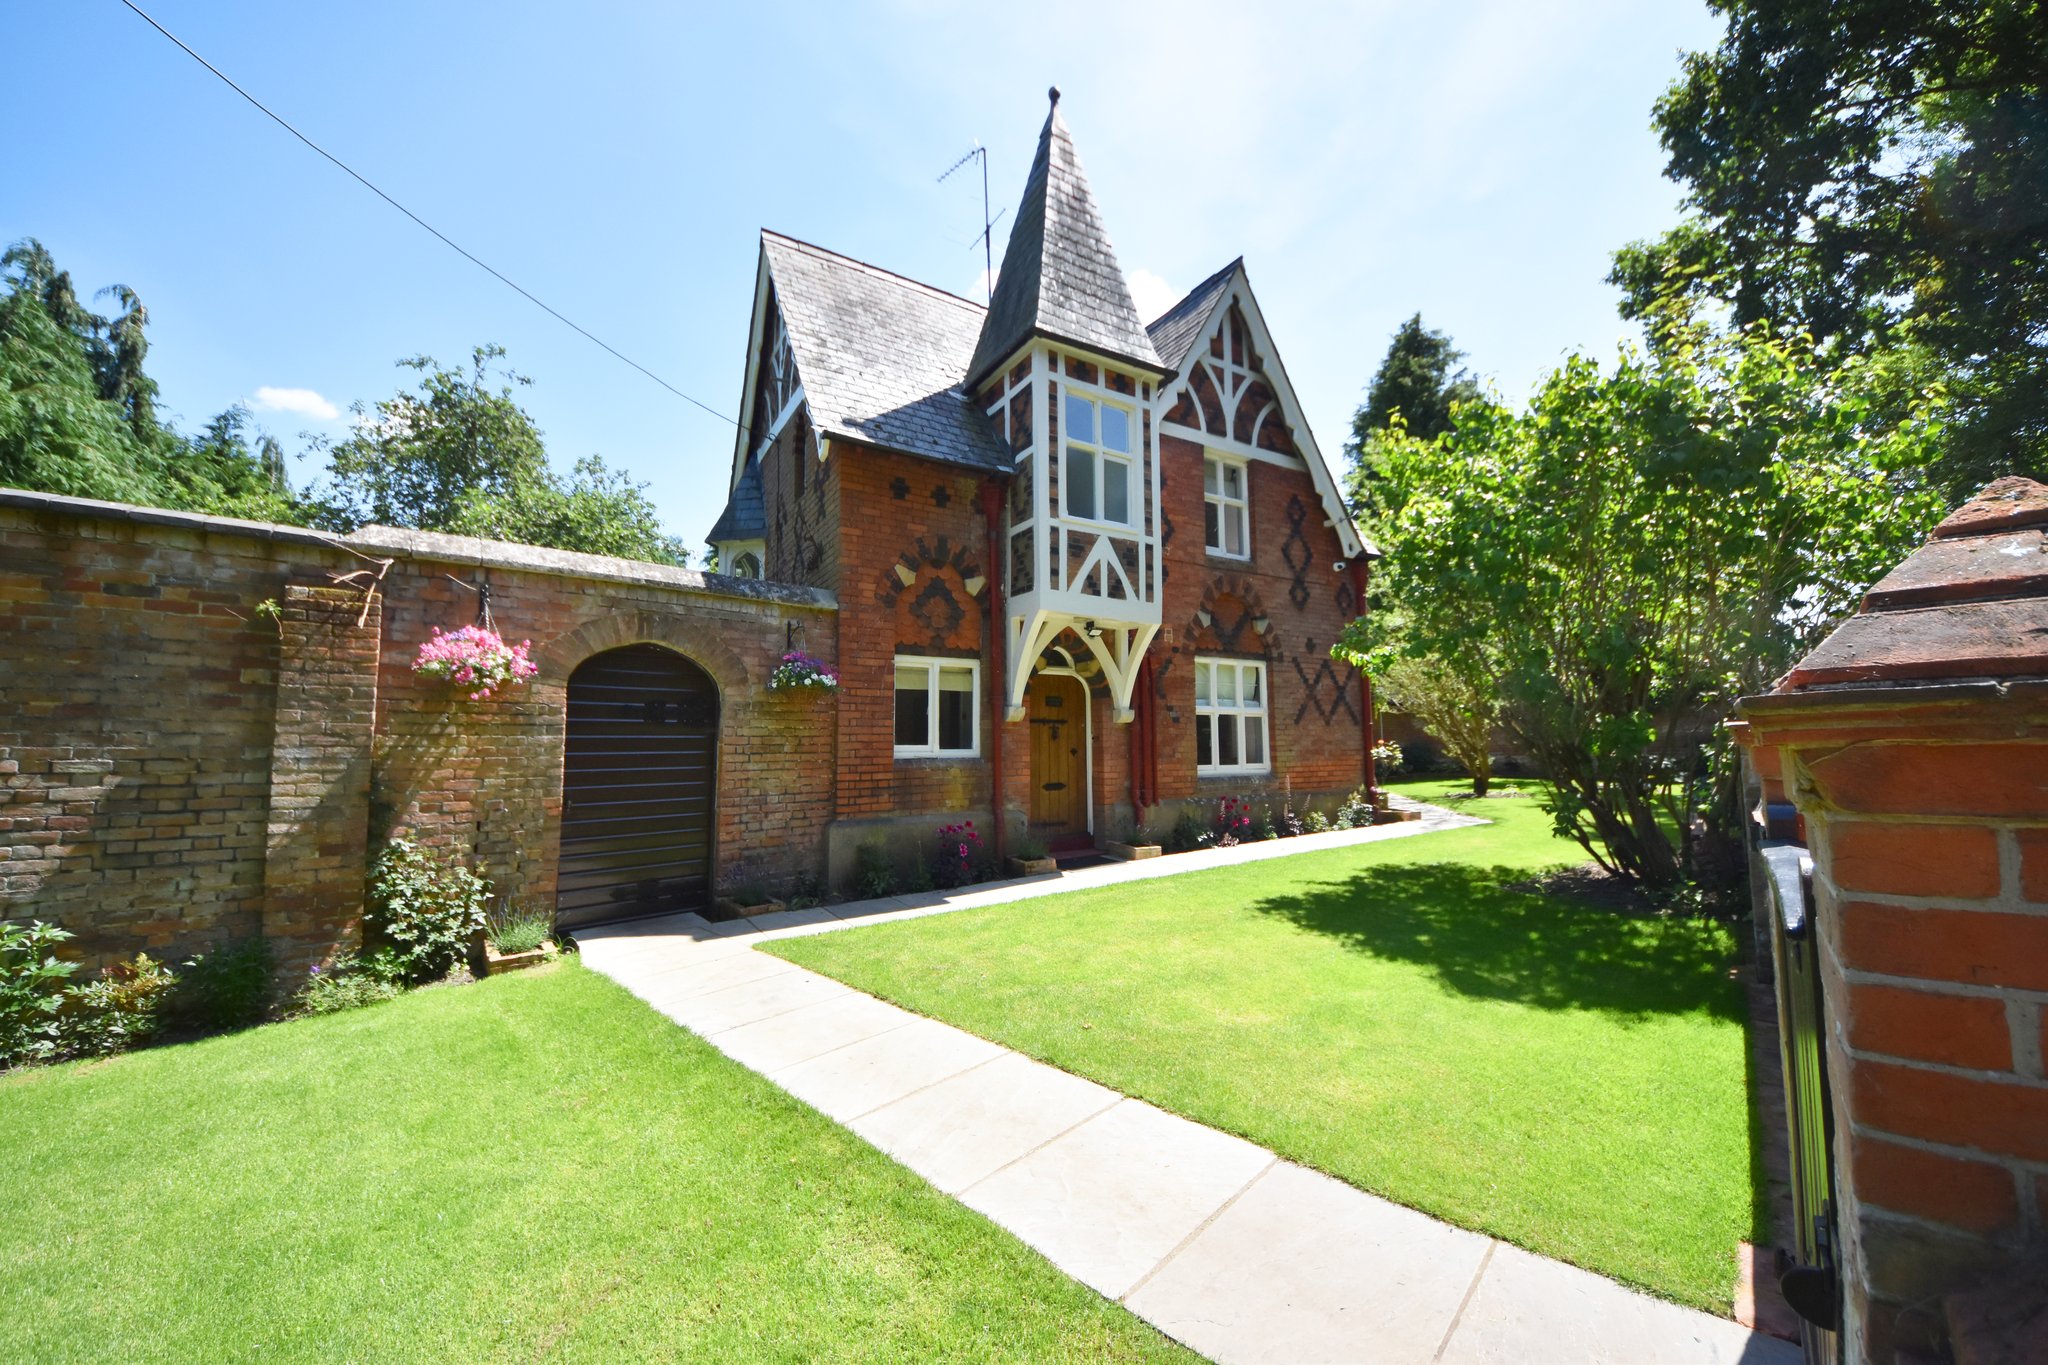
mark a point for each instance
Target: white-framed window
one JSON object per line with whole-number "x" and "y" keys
{"x": 938, "y": 706}
{"x": 746, "y": 564}
{"x": 1226, "y": 497}
{"x": 1230, "y": 716}
{"x": 1095, "y": 481}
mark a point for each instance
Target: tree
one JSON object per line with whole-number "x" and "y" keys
{"x": 78, "y": 409}
{"x": 460, "y": 455}
{"x": 1455, "y": 703}
{"x": 1873, "y": 173}
{"x": 1641, "y": 546}
{"x": 1418, "y": 382}
{"x": 413, "y": 458}
{"x": 600, "y": 511}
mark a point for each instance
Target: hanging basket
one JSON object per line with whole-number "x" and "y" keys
{"x": 475, "y": 661}
{"x": 799, "y": 672}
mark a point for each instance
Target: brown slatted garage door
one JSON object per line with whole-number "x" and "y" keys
{"x": 638, "y": 787}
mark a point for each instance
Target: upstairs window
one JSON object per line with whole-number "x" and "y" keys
{"x": 746, "y": 564}
{"x": 1227, "y": 507}
{"x": 937, "y": 701}
{"x": 1230, "y": 716}
{"x": 1095, "y": 483}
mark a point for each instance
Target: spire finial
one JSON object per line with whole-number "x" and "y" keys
{"x": 1053, "y": 94}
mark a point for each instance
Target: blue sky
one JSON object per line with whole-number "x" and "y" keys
{"x": 1475, "y": 161}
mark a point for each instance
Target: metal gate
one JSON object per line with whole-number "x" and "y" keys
{"x": 1811, "y": 1285}
{"x": 639, "y": 787}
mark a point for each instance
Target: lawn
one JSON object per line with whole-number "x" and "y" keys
{"x": 533, "y": 1166}
{"x": 1565, "y": 1078}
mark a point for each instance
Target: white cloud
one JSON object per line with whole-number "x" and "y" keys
{"x": 304, "y": 402}
{"x": 1152, "y": 294}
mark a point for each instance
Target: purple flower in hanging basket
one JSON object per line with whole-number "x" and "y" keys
{"x": 798, "y": 669}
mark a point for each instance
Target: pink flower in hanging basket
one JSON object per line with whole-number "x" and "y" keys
{"x": 475, "y": 659}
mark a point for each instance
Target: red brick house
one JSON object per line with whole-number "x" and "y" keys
{"x": 1071, "y": 568}
{"x": 1088, "y": 564}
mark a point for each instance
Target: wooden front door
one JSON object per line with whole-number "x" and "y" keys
{"x": 640, "y": 760}
{"x": 1057, "y": 707}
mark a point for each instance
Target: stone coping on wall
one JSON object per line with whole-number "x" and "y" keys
{"x": 470, "y": 551}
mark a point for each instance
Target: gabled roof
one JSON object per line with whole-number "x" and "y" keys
{"x": 1060, "y": 278}
{"x": 1195, "y": 318}
{"x": 746, "y": 515}
{"x": 881, "y": 357}
{"x": 1184, "y": 324}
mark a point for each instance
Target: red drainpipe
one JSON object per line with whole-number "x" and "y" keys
{"x": 1152, "y": 731}
{"x": 1361, "y": 578}
{"x": 1136, "y": 748}
{"x": 992, "y": 513}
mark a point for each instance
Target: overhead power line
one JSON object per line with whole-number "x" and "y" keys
{"x": 454, "y": 245}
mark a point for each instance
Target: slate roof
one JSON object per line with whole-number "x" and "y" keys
{"x": 746, "y": 515}
{"x": 881, "y": 358}
{"x": 1177, "y": 330}
{"x": 1060, "y": 277}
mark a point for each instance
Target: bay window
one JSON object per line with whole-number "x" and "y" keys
{"x": 1095, "y": 481}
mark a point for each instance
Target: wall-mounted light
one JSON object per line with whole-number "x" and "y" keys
{"x": 1091, "y": 630}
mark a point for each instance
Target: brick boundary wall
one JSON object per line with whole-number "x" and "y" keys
{"x": 181, "y": 769}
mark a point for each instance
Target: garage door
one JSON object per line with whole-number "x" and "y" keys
{"x": 638, "y": 787}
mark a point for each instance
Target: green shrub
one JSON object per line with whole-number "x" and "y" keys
{"x": 805, "y": 891}
{"x": 1356, "y": 812}
{"x": 873, "y": 874}
{"x": 350, "y": 983}
{"x": 521, "y": 933}
{"x": 225, "y": 989}
{"x": 1190, "y": 828}
{"x": 1315, "y": 822}
{"x": 122, "y": 1009}
{"x": 1029, "y": 847}
{"x": 428, "y": 910}
{"x": 31, "y": 991}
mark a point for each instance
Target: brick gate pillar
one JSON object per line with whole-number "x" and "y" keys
{"x": 1914, "y": 744}
{"x": 314, "y": 856}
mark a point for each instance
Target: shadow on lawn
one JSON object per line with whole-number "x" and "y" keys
{"x": 1485, "y": 941}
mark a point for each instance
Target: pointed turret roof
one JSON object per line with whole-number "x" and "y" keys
{"x": 1060, "y": 278}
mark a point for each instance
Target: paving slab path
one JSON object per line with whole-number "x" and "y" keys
{"x": 1216, "y": 1241}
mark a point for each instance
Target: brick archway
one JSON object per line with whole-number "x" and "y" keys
{"x": 696, "y": 642}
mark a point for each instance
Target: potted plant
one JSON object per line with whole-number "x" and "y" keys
{"x": 1029, "y": 857}
{"x": 1131, "y": 843}
{"x": 745, "y": 896}
{"x": 514, "y": 942}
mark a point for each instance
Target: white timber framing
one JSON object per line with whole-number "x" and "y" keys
{"x": 1239, "y": 292}
{"x": 1116, "y": 631}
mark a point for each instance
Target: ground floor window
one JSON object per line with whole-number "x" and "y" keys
{"x": 937, "y": 702}
{"x": 1230, "y": 716}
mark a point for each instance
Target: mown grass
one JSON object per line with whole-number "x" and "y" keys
{"x": 533, "y": 1166}
{"x": 1565, "y": 1078}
